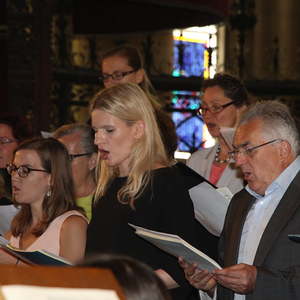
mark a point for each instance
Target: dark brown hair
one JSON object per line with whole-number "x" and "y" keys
{"x": 136, "y": 62}
{"x": 20, "y": 126}
{"x": 55, "y": 160}
{"x": 233, "y": 88}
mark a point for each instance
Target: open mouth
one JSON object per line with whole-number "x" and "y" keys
{"x": 246, "y": 175}
{"x": 211, "y": 125}
{"x": 103, "y": 154}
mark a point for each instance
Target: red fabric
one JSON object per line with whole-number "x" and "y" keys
{"x": 216, "y": 172}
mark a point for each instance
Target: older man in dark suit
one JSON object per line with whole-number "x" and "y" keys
{"x": 260, "y": 262}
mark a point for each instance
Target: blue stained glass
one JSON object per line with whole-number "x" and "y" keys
{"x": 188, "y": 58}
{"x": 188, "y": 61}
{"x": 189, "y": 126}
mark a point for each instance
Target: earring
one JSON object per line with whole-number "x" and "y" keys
{"x": 49, "y": 192}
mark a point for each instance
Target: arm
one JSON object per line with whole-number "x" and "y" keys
{"x": 73, "y": 238}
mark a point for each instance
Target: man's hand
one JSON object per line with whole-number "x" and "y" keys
{"x": 200, "y": 279}
{"x": 240, "y": 278}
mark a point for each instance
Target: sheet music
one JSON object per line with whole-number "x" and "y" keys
{"x": 210, "y": 206}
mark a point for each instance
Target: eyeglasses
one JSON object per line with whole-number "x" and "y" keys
{"x": 23, "y": 171}
{"x": 5, "y": 140}
{"x": 214, "y": 109}
{"x": 73, "y": 156}
{"x": 247, "y": 151}
{"x": 115, "y": 75}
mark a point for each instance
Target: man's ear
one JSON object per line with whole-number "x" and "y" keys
{"x": 285, "y": 150}
{"x": 139, "y": 129}
{"x": 92, "y": 163}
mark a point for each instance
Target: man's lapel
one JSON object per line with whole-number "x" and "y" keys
{"x": 282, "y": 214}
{"x": 237, "y": 221}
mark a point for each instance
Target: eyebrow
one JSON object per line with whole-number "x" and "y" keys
{"x": 103, "y": 127}
{"x": 241, "y": 145}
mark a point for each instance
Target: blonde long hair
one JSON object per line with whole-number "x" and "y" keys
{"x": 129, "y": 103}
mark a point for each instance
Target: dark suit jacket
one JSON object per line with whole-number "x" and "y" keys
{"x": 277, "y": 258}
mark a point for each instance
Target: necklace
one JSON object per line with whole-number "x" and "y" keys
{"x": 217, "y": 159}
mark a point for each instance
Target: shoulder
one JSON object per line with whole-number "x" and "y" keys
{"x": 73, "y": 223}
{"x": 200, "y": 154}
{"x": 72, "y": 218}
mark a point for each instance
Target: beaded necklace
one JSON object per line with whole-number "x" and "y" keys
{"x": 217, "y": 159}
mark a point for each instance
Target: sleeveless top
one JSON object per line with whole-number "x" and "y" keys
{"x": 50, "y": 239}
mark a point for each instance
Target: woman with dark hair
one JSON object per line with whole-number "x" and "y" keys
{"x": 124, "y": 64}
{"x": 137, "y": 280}
{"x": 225, "y": 98}
{"x": 43, "y": 188}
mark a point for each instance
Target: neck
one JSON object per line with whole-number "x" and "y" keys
{"x": 36, "y": 212}
{"x": 85, "y": 189}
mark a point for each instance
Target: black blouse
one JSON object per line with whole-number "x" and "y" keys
{"x": 164, "y": 206}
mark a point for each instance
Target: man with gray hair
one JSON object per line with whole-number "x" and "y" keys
{"x": 79, "y": 141}
{"x": 260, "y": 261}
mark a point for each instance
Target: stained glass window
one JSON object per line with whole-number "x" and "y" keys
{"x": 194, "y": 55}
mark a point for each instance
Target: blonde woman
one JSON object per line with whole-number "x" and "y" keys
{"x": 136, "y": 184}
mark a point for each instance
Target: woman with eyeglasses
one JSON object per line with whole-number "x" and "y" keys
{"x": 224, "y": 99}
{"x": 124, "y": 64}
{"x": 42, "y": 186}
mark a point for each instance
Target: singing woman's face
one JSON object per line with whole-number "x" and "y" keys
{"x": 227, "y": 117}
{"x": 32, "y": 188}
{"x": 115, "y": 139}
{"x": 118, "y": 64}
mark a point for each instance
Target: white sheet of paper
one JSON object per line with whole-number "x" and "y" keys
{"x": 210, "y": 206}
{"x": 26, "y": 292}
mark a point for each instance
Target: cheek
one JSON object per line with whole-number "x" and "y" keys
{"x": 226, "y": 120}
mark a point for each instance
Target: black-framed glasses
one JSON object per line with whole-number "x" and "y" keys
{"x": 118, "y": 75}
{"x": 73, "y": 156}
{"x": 214, "y": 109}
{"x": 5, "y": 140}
{"x": 247, "y": 151}
{"x": 23, "y": 171}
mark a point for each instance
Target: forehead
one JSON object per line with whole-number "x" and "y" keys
{"x": 250, "y": 133}
{"x": 101, "y": 119}
{"x": 114, "y": 63}
{"x": 5, "y": 130}
{"x": 72, "y": 141}
{"x": 27, "y": 157}
{"x": 214, "y": 94}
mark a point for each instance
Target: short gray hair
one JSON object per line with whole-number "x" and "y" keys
{"x": 277, "y": 119}
{"x": 86, "y": 132}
